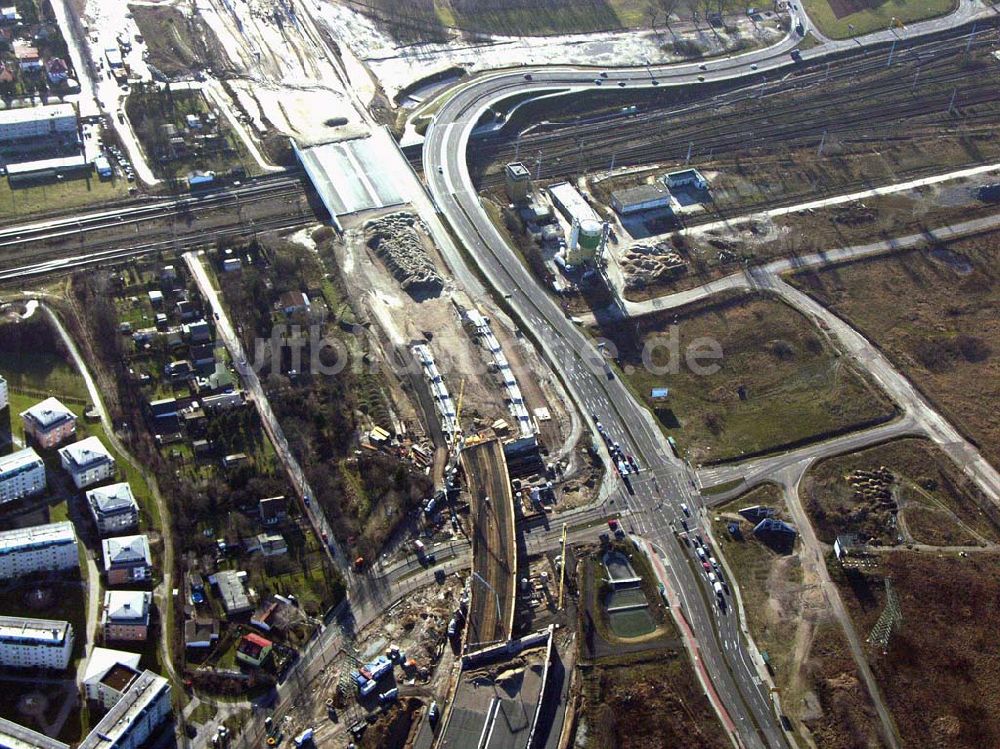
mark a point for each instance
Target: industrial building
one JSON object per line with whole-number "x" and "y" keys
{"x": 113, "y": 508}
{"x": 686, "y": 178}
{"x": 38, "y": 129}
{"x": 640, "y": 198}
{"x": 49, "y": 423}
{"x": 35, "y": 643}
{"x": 517, "y": 181}
{"x": 572, "y": 204}
{"x": 586, "y": 241}
{"x": 40, "y": 548}
{"x": 134, "y": 718}
{"x": 87, "y": 461}
{"x": 22, "y": 474}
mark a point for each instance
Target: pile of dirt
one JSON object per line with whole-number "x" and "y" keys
{"x": 397, "y": 239}
{"x": 647, "y": 264}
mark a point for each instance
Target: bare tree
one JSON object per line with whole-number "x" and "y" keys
{"x": 668, "y": 7}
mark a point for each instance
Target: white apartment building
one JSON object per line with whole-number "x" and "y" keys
{"x": 135, "y": 717}
{"x": 14, "y": 736}
{"x": 87, "y": 461}
{"x": 40, "y": 548}
{"x": 21, "y": 475}
{"x": 29, "y": 123}
{"x": 35, "y": 643}
{"x": 109, "y": 674}
{"x": 113, "y": 508}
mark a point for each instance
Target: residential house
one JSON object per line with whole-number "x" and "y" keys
{"x": 272, "y": 511}
{"x": 22, "y": 474}
{"x": 200, "y": 633}
{"x": 56, "y": 70}
{"x": 108, "y": 675}
{"x": 39, "y": 548}
{"x": 223, "y": 401}
{"x": 49, "y": 423}
{"x": 178, "y": 371}
{"x": 294, "y": 302}
{"x": 235, "y": 460}
{"x": 268, "y": 544}
{"x": 87, "y": 461}
{"x": 127, "y": 559}
{"x": 253, "y": 649}
{"x": 266, "y": 616}
{"x": 203, "y": 357}
{"x": 197, "y": 332}
{"x": 126, "y": 615}
{"x": 156, "y": 298}
{"x": 231, "y": 590}
{"x": 35, "y": 643}
{"x": 113, "y": 508}
{"x": 9, "y": 15}
{"x": 26, "y": 55}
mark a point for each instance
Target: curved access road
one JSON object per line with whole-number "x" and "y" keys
{"x": 651, "y": 503}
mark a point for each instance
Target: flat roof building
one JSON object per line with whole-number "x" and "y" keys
{"x": 22, "y": 474}
{"x": 87, "y": 461}
{"x": 37, "y": 122}
{"x": 39, "y": 548}
{"x": 572, "y": 204}
{"x": 234, "y": 595}
{"x": 135, "y": 717}
{"x": 14, "y": 736}
{"x": 640, "y": 198}
{"x": 104, "y": 680}
{"x": 35, "y": 643}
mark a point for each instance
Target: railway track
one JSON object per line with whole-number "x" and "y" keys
{"x": 856, "y": 100}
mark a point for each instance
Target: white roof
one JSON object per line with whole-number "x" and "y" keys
{"x": 119, "y": 719}
{"x": 86, "y": 451}
{"x": 14, "y": 736}
{"x": 112, "y": 497}
{"x": 38, "y": 631}
{"x": 20, "y": 459}
{"x": 49, "y": 412}
{"x": 102, "y": 660}
{"x": 127, "y": 605}
{"x": 125, "y": 550}
{"x": 32, "y": 114}
{"x": 37, "y": 535}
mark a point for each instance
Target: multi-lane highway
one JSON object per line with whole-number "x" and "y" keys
{"x": 653, "y": 507}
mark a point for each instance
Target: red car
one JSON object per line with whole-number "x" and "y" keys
{"x": 707, "y": 566}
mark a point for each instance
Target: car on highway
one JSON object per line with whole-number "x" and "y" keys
{"x": 701, "y": 79}
{"x": 598, "y": 81}
{"x": 440, "y": 170}
{"x": 685, "y": 510}
{"x": 604, "y": 74}
{"x": 753, "y": 66}
{"x": 796, "y": 55}
{"x": 621, "y": 83}
{"x": 655, "y": 82}
{"x": 703, "y": 66}
{"x": 707, "y": 566}
{"x": 527, "y": 76}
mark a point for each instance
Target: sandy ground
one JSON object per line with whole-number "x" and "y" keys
{"x": 396, "y": 66}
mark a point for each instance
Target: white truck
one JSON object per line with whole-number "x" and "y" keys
{"x": 718, "y": 590}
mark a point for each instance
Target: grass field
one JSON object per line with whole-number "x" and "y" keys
{"x": 74, "y": 192}
{"x": 778, "y": 383}
{"x": 938, "y": 504}
{"x": 836, "y": 20}
{"x": 788, "y": 618}
{"x": 933, "y": 312}
{"x": 939, "y": 673}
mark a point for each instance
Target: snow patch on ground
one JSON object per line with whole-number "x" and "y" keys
{"x": 397, "y": 66}
{"x": 307, "y": 113}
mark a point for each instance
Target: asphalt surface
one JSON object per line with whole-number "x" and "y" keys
{"x": 653, "y": 510}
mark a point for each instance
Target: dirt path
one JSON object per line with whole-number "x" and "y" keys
{"x": 162, "y": 591}
{"x": 813, "y": 558}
